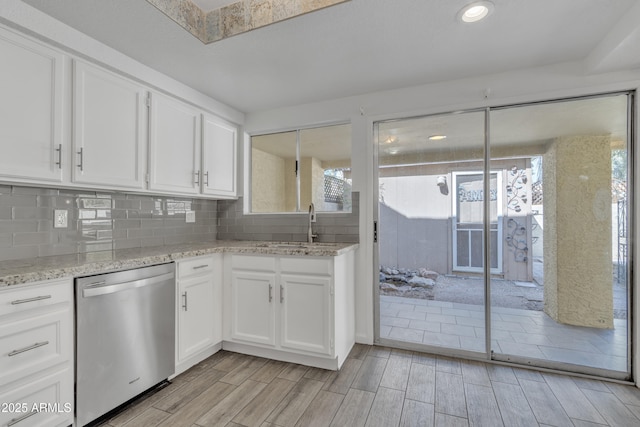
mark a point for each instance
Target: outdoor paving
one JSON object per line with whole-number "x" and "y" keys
{"x": 516, "y": 332}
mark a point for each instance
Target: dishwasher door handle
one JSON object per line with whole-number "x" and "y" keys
{"x": 103, "y": 289}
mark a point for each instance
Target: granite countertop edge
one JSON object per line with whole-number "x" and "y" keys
{"x": 61, "y": 266}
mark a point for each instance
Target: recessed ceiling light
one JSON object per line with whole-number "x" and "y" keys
{"x": 437, "y": 137}
{"x": 476, "y": 11}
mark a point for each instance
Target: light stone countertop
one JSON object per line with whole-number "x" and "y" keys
{"x": 16, "y": 272}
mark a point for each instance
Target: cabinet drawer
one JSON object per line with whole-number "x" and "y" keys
{"x": 35, "y": 343}
{"x": 320, "y": 266}
{"x": 45, "y": 402}
{"x": 15, "y": 299}
{"x": 193, "y": 266}
{"x": 256, "y": 263}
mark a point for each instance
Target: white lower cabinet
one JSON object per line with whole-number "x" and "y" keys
{"x": 36, "y": 364}
{"x": 252, "y": 307}
{"x": 199, "y": 309}
{"x": 306, "y": 313}
{"x": 296, "y": 309}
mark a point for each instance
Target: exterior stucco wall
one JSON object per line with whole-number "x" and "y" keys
{"x": 268, "y": 190}
{"x": 577, "y": 232}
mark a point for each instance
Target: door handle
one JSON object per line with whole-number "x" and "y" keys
{"x": 270, "y": 292}
{"x": 197, "y": 179}
{"x": 24, "y": 301}
{"x": 100, "y": 288}
{"x": 184, "y": 304}
{"x": 81, "y": 154}
{"x": 15, "y": 421}
{"x": 206, "y": 181}
{"x": 281, "y": 294}
{"x": 29, "y": 348}
{"x": 59, "y": 150}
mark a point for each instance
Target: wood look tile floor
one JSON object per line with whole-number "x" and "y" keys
{"x": 378, "y": 386}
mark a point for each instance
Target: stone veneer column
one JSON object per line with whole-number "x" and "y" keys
{"x": 578, "y": 286}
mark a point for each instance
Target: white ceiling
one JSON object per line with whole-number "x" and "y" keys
{"x": 362, "y": 46}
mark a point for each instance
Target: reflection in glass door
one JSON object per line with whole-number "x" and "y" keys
{"x": 558, "y": 219}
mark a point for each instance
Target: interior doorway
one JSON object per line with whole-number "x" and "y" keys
{"x": 556, "y": 293}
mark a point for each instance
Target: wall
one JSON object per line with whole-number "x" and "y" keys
{"x": 97, "y": 221}
{"x": 268, "y": 189}
{"x": 577, "y": 234}
{"x": 234, "y": 224}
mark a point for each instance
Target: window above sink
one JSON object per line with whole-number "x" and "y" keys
{"x": 290, "y": 170}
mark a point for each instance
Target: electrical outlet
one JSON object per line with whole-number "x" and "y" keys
{"x": 60, "y": 219}
{"x": 191, "y": 216}
{"x": 313, "y": 217}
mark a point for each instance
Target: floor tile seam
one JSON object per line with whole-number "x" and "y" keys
{"x": 255, "y": 397}
{"x": 234, "y": 386}
{"x": 585, "y": 397}
{"x": 301, "y": 414}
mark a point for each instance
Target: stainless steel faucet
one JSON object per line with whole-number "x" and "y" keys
{"x": 312, "y": 213}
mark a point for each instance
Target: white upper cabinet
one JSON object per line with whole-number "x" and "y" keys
{"x": 219, "y": 157}
{"x": 109, "y": 131}
{"x": 174, "y": 151}
{"x": 31, "y": 111}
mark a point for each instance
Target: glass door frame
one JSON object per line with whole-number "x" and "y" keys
{"x": 488, "y": 355}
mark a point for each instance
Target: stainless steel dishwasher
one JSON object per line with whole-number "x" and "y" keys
{"x": 125, "y": 337}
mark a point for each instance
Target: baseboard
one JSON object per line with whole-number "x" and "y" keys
{"x": 195, "y": 359}
{"x": 284, "y": 356}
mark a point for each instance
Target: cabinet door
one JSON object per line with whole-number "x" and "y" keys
{"x": 253, "y": 307}
{"x": 195, "y": 315}
{"x": 305, "y": 313}
{"x": 219, "y": 157}
{"x": 109, "y": 132}
{"x": 31, "y": 111}
{"x": 174, "y": 150}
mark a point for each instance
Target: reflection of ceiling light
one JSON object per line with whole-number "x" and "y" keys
{"x": 476, "y": 11}
{"x": 391, "y": 140}
{"x": 437, "y": 137}
{"x": 393, "y": 151}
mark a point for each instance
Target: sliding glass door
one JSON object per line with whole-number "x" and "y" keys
{"x": 565, "y": 170}
{"x": 430, "y": 187}
{"x": 537, "y": 272}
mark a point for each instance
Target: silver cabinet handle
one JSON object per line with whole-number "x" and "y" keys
{"x": 197, "y": 179}
{"x": 270, "y": 292}
{"x": 59, "y": 150}
{"x": 206, "y": 181}
{"x": 24, "y": 301}
{"x": 31, "y": 347}
{"x": 281, "y": 294}
{"x": 201, "y": 266}
{"x": 15, "y": 421}
{"x": 184, "y": 304}
{"x": 81, "y": 154}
